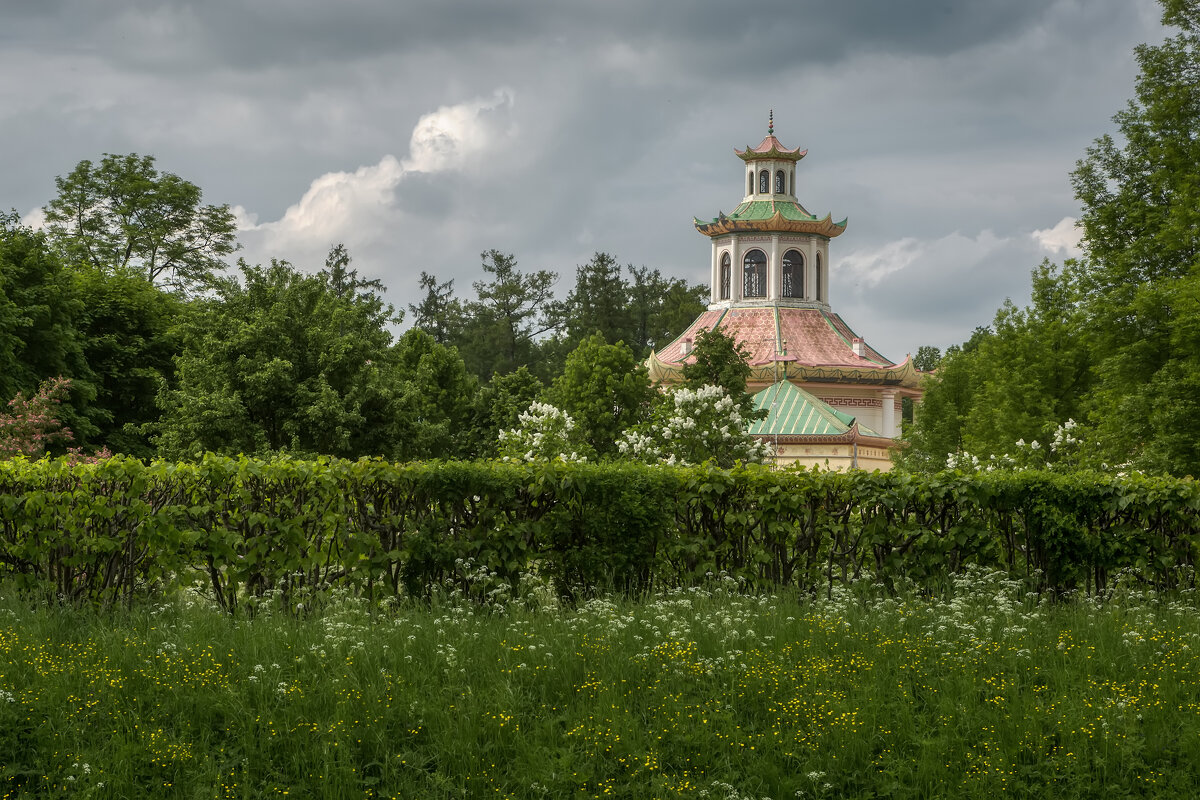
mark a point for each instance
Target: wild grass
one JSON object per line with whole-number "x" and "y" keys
{"x": 706, "y": 693}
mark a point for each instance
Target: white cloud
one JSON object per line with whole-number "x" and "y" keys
{"x": 35, "y": 218}
{"x": 954, "y": 253}
{"x": 359, "y": 207}
{"x": 453, "y": 135}
{"x": 1062, "y": 239}
{"x": 871, "y": 266}
{"x": 911, "y": 291}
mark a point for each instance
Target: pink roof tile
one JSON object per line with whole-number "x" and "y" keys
{"x": 813, "y": 337}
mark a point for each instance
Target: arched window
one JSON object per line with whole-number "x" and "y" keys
{"x": 754, "y": 274}
{"x": 750, "y": 182}
{"x": 793, "y": 274}
{"x": 764, "y": 182}
{"x": 726, "y": 272}
{"x": 779, "y": 182}
{"x": 819, "y": 280}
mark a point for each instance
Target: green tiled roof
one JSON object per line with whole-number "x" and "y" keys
{"x": 765, "y": 209}
{"x": 794, "y": 412}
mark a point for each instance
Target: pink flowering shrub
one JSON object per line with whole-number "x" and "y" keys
{"x": 30, "y": 425}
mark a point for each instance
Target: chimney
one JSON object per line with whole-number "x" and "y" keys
{"x": 686, "y": 347}
{"x": 858, "y": 347}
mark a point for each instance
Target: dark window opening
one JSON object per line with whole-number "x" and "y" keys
{"x": 764, "y": 182}
{"x": 779, "y": 182}
{"x": 726, "y": 271}
{"x": 793, "y": 274}
{"x": 754, "y": 274}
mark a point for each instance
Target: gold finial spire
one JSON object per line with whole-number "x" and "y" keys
{"x": 771, "y": 123}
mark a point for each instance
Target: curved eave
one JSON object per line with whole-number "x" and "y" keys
{"x": 663, "y": 371}
{"x": 852, "y": 436}
{"x": 775, "y": 224}
{"x": 900, "y": 375}
{"x": 774, "y": 151}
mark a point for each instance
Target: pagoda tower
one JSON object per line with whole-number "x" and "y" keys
{"x": 832, "y": 398}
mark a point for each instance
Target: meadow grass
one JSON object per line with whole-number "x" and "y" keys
{"x": 704, "y": 692}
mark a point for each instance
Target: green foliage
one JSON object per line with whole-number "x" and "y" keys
{"x": 253, "y": 533}
{"x": 938, "y": 429}
{"x": 498, "y": 405}
{"x": 605, "y": 390}
{"x": 129, "y": 335}
{"x": 437, "y": 399}
{"x": 123, "y": 214}
{"x": 1141, "y": 233}
{"x": 973, "y": 692}
{"x": 1109, "y": 341}
{"x": 662, "y": 308}
{"x": 1017, "y": 380}
{"x": 927, "y": 358}
{"x": 599, "y": 303}
{"x": 512, "y": 311}
{"x": 39, "y": 311}
{"x": 515, "y": 320}
{"x": 1033, "y": 373}
{"x": 288, "y": 361}
{"x": 645, "y": 310}
{"x": 720, "y": 360}
{"x": 439, "y": 314}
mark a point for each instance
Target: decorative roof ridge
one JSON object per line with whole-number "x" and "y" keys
{"x": 826, "y": 412}
{"x": 861, "y": 431}
{"x": 828, "y": 315}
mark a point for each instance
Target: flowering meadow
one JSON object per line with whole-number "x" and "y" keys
{"x": 707, "y": 692}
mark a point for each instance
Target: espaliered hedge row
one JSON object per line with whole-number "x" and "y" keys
{"x": 105, "y": 533}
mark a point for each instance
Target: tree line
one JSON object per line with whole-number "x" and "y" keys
{"x": 1102, "y": 369}
{"x": 125, "y": 329}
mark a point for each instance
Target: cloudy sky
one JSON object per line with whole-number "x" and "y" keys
{"x": 420, "y": 133}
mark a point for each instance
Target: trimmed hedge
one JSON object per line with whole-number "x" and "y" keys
{"x": 105, "y": 533}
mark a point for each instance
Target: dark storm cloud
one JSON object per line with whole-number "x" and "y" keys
{"x": 707, "y": 36}
{"x": 925, "y": 121}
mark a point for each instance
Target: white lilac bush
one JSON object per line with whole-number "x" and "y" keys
{"x": 692, "y": 426}
{"x": 1063, "y": 453}
{"x": 543, "y": 433}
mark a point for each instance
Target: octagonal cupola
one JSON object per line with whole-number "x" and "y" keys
{"x": 770, "y": 250}
{"x": 770, "y": 168}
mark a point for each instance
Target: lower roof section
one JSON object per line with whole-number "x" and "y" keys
{"x": 795, "y": 415}
{"x": 799, "y": 344}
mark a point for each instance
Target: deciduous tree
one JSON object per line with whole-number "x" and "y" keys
{"x": 39, "y": 310}
{"x": 605, "y": 390}
{"x": 719, "y": 360}
{"x": 287, "y": 361}
{"x": 124, "y": 214}
{"x": 1140, "y": 194}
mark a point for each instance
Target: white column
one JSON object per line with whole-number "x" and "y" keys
{"x": 810, "y": 265}
{"x": 735, "y": 278}
{"x": 889, "y": 413}
{"x": 715, "y": 286}
{"x": 774, "y": 269}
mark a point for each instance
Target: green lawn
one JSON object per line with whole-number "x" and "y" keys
{"x": 698, "y": 693}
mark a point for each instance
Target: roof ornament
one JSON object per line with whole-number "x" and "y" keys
{"x": 771, "y": 123}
